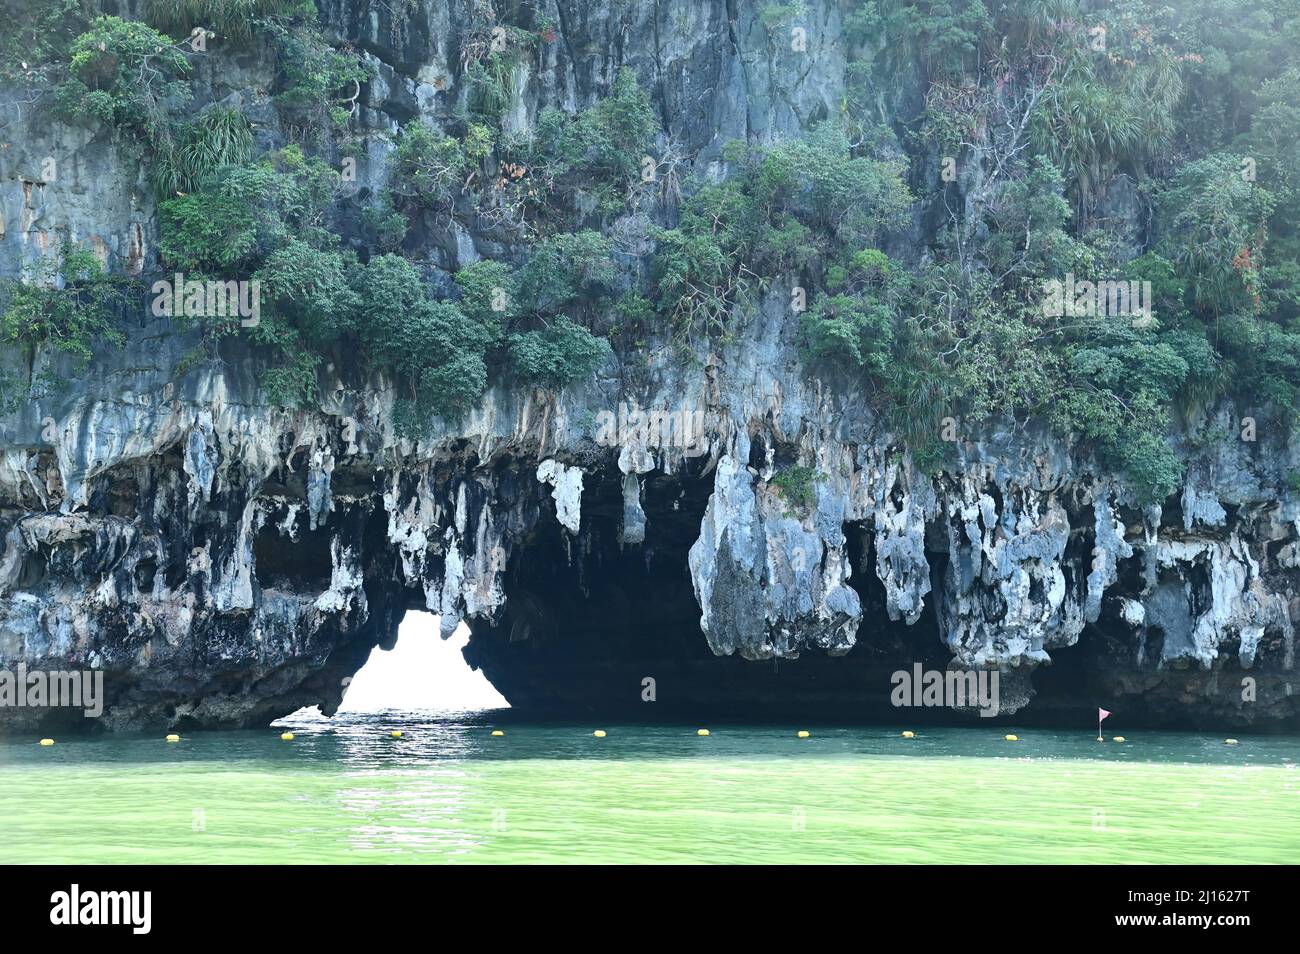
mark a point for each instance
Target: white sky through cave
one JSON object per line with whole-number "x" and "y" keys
{"x": 423, "y": 671}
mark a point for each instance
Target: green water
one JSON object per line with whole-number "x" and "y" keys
{"x": 343, "y": 791}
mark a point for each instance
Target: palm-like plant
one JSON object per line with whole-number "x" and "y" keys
{"x": 234, "y": 19}
{"x": 189, "y": 155}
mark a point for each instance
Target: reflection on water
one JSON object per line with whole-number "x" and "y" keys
{"x": 448, "y": 791}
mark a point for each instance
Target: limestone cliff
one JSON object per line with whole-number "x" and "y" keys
{"x": 225, "y": 561}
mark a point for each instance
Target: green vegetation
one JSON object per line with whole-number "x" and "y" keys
{"x": 432, "y": 344}
{"x": 39, "y": 35}
{"x": 780, "y": 12}
{"x": 245, "y": 212}
{"x": 67, "y": 304}
{"x": 267, "y": 219}
{"x": 1073, "y": 97}
{"x": 1214, "y": 221}
{"x": 607, "y": 141}
{"x": 493, "y": 55}
{"x": 199, "y": 149}
{"x": 134, "y": 77}
{"x": 431, "y": 170}
{"x": 321, "y": 85}
{"x": 123, "y": 73}
{"x": 571, "y": 161}
{"x": 796, "y": 485}
{"x": 570, "y": 171}
{"x": 785, "y": 209}
{"x": 853, "y": 323}
{"x": 561, "y": 352}
{"x": 523, "y": 308}
{"x": 237, "y": 20}
{"x": 1042, "y": 125}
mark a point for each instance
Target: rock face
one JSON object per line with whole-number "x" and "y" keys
{"x": 224, "y": 562}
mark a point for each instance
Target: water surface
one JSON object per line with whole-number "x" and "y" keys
{"x": 343, "y": 791}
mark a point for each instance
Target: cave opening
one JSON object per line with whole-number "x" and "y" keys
{"x": 421, "y": 672}
{"x": 591, "y": 617}
{"x": 304, "y": 561}
{"x": 595, "y": 626}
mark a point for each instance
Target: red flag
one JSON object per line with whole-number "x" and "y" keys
{"x": 1101, "y": 715}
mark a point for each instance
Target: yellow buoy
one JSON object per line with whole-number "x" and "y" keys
{"x": 701, "y": 731}
{"x": 1013, "y": 738}
{"x": 1225, "y": 742}
{"x": 395, "y": 734}
{"x": 804, "y": 733}
{"x": 909, "y": 734}
{"x": 1101, "y": 738}
{"x": 599, "y": 733}
{"x": 47, "y": 741}
{"x": 173, "y": 738}
{"x": 497, "y": 732}
{"x": 287, "y": 736}
{"x": 1119, "y": 738}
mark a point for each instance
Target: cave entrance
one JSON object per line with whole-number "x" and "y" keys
{"x": 421, "y": 672}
